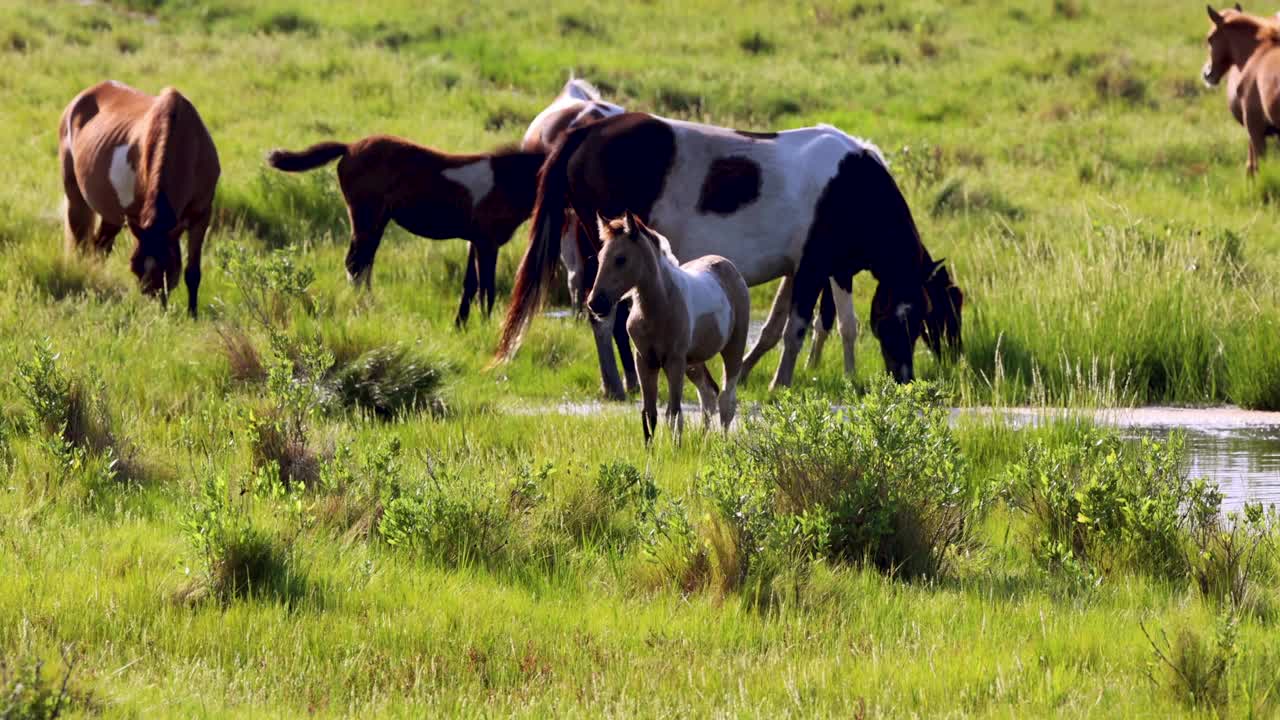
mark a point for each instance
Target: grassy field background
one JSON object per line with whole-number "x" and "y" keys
{"x": 1063, "y": 156}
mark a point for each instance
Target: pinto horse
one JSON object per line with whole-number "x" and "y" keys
{"x": 811, "y": 205}
{"x": 579, "y": 103}
{"x": 1248, "y": 44}
{"x": 479, "y": 198}
{"x": 146, "y": 161}
{"x": 683, "y": 316}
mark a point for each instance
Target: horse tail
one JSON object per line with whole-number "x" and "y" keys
{"x": 309, "y": 159}
{"x": 540, "y": 258}
{"x": 826, "y": 307}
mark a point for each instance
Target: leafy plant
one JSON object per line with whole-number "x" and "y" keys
{"x": 1097, "y": 502}
{"x": 1195, "y": 668}
{"x": 1232, "y": 555}
{"x": 879, "y": 481}
{"x": 31, "y": 690}
{"x": 390, "y": 381}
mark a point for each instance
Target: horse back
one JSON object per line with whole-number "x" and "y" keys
{"x": 180, "y": 162}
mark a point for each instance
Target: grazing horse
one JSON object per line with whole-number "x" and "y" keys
{"x": 479, "y": 198}
{"x": 1233, "y": 81}
{"x": 578, "y": 104}
{"x": 813, "y": 205}
{"x": 683, "y": 315}
{"x": 1249, "y": 44}
{"x": 147, "y": 161}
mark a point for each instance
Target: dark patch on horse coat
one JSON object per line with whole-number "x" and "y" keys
{"x": 757, "y": 135}
{"x": 623, "y": 166}
{"x": 732, "y": 183}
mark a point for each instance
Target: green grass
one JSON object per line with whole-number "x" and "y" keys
{"x": 1089, "y": 195}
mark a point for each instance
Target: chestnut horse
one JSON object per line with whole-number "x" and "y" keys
{"x": 147, "y": 161}
{"x": 683, "y": 316}
{"x": 811, "y": 205}
{"x": 1248, "y": 44}
{"x": 479, "y": 198}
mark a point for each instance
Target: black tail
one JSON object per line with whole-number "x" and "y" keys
{"x": 309, "y": 159}
{"x": 540, "y": 258}
{"x": 826, "y": 308}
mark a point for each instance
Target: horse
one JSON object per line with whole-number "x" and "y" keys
{"x": 480, "y": 198}
{"x": 1247, "y": 43}
{"x": 1233, "y": 81}
{"x": 578, "y": 104}
{"x": 813, "y": 205}
{"x": 146, "y": 161}
{"x": 682, "y": 316}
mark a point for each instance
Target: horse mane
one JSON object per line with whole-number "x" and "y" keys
{"x": 154, "y": 156}
{"x": 591, "y": 91}
{"x": 1267, "y": 28}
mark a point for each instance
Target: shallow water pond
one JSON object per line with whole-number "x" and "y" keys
{"x": 1239, "y": 449}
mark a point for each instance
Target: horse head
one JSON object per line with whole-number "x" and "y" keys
{"x": 626, "y": 251}
{"x": 156, "y": 261}
{"x": 942, "y": 322}
{"x": 1232, "y": 40}
{"x": 898, "y": 312}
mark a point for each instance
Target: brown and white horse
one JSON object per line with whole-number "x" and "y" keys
{"x": 1249, "y": 45}
{"x": 146, "y": 161}
{"x": 811, "y": 205}
{"x": 479, "y": 198}
{"x": 579, "y": 103}
{"x": 682, "y": 316}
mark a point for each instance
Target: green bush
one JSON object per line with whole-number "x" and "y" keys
{"x": 1234, "y": 558}
{"x": 237, "y": 553}
{"x": 390, "y": 381}
{"x": 880, "y": 481}
{"x": 1098, "y": 503}
{"x": 30, "y": 689}
{"x": 1194, "y": 668}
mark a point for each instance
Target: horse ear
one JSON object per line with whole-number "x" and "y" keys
{"x": 628, "y": 222}
{"x": 933, "y": 269}
{"x": 1214, "y": 15}
{"x": 602, "y": 226}
{"x": 1238, "y": 8}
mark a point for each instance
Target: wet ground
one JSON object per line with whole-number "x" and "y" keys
{"x": 1239, "y": 449}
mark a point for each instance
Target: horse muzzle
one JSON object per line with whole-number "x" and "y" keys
{"x": 1209, "y": 78}
{"x": 599, "y": 305}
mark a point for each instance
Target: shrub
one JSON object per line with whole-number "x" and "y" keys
{"x": 877, "y": 481}
{"x": 295, "y": 393}
{"x": 1097, "y": 502}
{"x": 1193, "y": 668}
{"x": 1232, "y": 556}
{"x": 31, "y": 690}
{"x": 449, "y": 520}
{"x": 238, "y": 556}
{"x": 390, "y": 381}
{"x": 598, "y": 511}
{"x": 72, "y": 415}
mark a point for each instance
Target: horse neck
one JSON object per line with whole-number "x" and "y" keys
{"x": 655, "y": 287}
{"x": 1246, "y": 41}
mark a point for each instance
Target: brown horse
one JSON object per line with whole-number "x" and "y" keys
{"x": 684, "y": 315}
{"x": 128, "y": 157}
{"x": 479, "y": 198}
{"x": 1233, "y": 79}
{"x": 1247, "y": 43}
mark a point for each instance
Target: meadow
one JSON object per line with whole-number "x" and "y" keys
{"x": 316, "y": 500}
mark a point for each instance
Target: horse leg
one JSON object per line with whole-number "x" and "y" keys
{"x": 470, "y": 282}
{"x": 675, "y": 395}
{"x": 79, "y": 217}
{"x": 571, "y": 258}
{"x": 623, "y": 341}
{"x": 842, "y": 299}
{"x": 822, "y": 328}
{"x": 771, "y": 333}
{"x": 731, "y": 354}
{"x": 487, "y": 262}
{"x": 649, "y": 391}
{"x": 105, "y": 239}
{"x": 195, "y": 247}
{"x": 803, "y": 297}
{"x": 602, "y": 328}
{"x": 708, "y": 393}
{"x": 367, "y": 226}
{"x": 1257, "y": 142}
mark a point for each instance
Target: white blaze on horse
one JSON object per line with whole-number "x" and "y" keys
{"x": 479, "y": 198}
{"x": 682, "y": 316}
{"x": 814, "y": 206}
{"x": 145, "y": 161}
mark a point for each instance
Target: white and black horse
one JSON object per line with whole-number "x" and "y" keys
{"x": 813, "y": 205}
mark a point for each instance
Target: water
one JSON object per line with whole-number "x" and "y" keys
{"x": 1238, "y": 449}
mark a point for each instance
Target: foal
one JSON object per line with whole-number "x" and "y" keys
{"x": 683, "y": 315}
{"x": 479, "y": 198}
{"x": 149, "y": 162}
